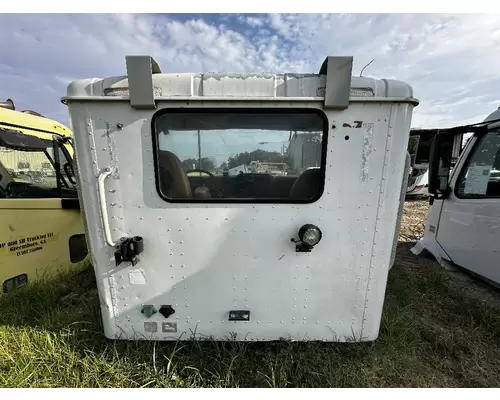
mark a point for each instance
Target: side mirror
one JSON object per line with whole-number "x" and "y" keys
{"x": 70, "y": 173}
{"x": 413, "y": 143}
{"x": 440, "y": 165}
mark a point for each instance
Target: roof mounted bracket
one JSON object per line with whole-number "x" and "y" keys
{"x": 140, "y": 70}
{"x": 338, "y": 71}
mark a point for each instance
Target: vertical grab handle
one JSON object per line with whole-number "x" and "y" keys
{"x": 102, "y": 205}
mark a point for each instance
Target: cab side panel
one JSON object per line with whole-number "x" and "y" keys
{"x": 35, "y": 239}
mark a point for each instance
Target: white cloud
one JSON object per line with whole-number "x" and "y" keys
{"x": 450, "y": 60}
{"x": 254, "y": 21}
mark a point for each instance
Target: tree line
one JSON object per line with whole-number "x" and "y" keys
{"x": 239, "y": 159}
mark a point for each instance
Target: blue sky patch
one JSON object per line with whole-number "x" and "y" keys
{"x": 450, "y": 60}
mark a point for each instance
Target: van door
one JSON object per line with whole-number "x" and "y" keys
{"x": 41, "y": 231}
{"x": 469, "y": 227}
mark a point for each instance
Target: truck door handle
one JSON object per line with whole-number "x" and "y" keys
{"x": 102, "y": 205}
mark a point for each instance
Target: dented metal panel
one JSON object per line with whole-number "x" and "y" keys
{"x": 285, "y": 87}
{"x": 247, "y": 85}
{"x": 301, "y": 85}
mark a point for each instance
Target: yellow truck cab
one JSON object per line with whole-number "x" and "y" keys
{"x": 42, "y": 231}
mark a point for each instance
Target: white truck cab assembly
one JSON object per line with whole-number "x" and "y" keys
{"x": 255, "y": 256}
{"x": 463, "y": 225}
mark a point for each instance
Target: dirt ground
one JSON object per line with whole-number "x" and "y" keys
{"x": 413, "y": 222}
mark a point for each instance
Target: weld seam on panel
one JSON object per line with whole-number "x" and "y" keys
{"x": 111, "y": 142}
{"x": 93, "y": 151}
{"x": 377, "y": 221}
{"x": 202, "y": 97}
{"x": 114, "y": 302}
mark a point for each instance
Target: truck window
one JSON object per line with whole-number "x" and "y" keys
{"x": 240, "y": 155}
{"x": 480, "y": 178}
{"x": 31, "y": 174}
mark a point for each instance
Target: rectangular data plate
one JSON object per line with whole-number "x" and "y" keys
{"x": 239, "y": 315}
{"x": 169, "y": 327}
{"x": 151, "y": 327}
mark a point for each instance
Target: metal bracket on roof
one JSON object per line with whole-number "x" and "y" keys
{"x": 338, "y": 71}
{"x": 140, "y": 70}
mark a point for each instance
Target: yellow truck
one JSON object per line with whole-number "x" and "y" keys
{"x": 41, "y": 229}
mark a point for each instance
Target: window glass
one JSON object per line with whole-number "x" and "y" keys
{"x": 481, "y": 176}
{"x": 63, "y": 160}
{"x": 247, "y": 155}
{"x": 30, "y": 173}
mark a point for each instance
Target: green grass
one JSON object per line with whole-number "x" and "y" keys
{"x": 432, "y": 334}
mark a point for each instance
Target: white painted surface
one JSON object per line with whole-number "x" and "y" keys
{"x": 208, "y": 259}
{"x": 466, "y": 231}
{"x": 239, "y": 85}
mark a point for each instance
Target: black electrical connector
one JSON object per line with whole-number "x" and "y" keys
{"x": 129, "y": 249}
{"x": 167, "y": 311}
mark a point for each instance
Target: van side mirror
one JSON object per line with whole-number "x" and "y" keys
{"x": 440, "y": 164}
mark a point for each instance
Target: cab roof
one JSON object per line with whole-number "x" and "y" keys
{"x": 493, "y": 116}
{"x": 145, "y": 83}
{"x": 33, "y": 125}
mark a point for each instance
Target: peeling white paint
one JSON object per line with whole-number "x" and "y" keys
{"x": 367, "y": 150}
{"x": 137, "y": 277}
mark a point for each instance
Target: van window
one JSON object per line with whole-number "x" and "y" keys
{"x": 240, "y": 155}
{"x": 481, "y": 175}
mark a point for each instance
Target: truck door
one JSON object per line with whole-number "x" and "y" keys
{"x": 42, "y": 230}
{"x": 469, "y": 227}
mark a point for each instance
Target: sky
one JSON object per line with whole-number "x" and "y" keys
{"x": 451, "y": 61}
{"x": 221, "y": 145}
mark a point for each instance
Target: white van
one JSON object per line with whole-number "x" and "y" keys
{"x": 463, "y": 225}
{"x": 256, "y": 257}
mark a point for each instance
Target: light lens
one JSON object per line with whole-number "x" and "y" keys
{"x": 311, "y": 236}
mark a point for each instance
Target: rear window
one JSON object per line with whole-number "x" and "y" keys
{"x": 216, "y": 155}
